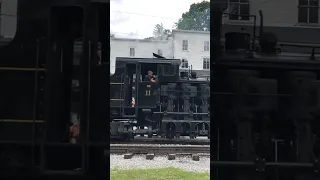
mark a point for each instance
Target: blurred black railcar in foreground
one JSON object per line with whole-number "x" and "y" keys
{"x": 37, "y": 72}
{"x": 174, "y": 105}
{"x": 265, "y": 107}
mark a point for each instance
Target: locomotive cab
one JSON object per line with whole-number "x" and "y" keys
{"x": 164, "y": 70}
{"x": 129, "y": 87}
{"x": 147, "y": 90}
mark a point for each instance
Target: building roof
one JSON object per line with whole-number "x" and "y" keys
{"x": 149, "y": 60}
{"x": 189, "y": 31}
{"x": 140, "y": 40}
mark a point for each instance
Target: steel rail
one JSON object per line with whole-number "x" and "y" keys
{"x": 158, "y": 140}
{"x": 158, "y": 149}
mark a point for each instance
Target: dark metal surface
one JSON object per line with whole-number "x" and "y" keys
{"x": 264, "y": 109}
{"x": 37, "y": 70}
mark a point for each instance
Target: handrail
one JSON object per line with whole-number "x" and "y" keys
{"x": 35, "y": 99}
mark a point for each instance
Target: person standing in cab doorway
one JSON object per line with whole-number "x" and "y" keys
{"x": 150, "y": 77}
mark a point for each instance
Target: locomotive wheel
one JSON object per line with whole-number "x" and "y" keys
{"x": 170, "y": 130}
{"x": 169, "y": 134}
{"x": 150, "y": 133}
{"x": 142, "y": 135}
{"x": 130, "y": 132}
{"x": 177, "y": 135}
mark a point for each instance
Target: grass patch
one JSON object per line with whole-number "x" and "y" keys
{"x": 157, "y": 174}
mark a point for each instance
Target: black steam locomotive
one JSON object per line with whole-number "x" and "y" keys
{"x": 172, "y": 106}
{"x": 265, "y": 107}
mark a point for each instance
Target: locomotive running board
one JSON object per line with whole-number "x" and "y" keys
{"x": 125, "y": 120}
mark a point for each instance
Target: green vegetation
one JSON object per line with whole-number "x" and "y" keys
{"x": 157, "y": 174}
{"x": 160, "y": 32}
{"x": 196, "y": 19}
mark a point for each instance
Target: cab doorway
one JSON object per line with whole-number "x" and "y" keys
{"x": 131, "y": 84}
{"x": 148, "y": 67}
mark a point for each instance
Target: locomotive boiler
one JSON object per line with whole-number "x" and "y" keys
{"x": 172, "y": 106}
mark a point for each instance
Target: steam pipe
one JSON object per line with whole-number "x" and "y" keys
{"x": 253, "y": 44}
{"x": 261, "y": 23}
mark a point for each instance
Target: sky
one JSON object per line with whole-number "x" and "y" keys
{"x": 137, "y": 18}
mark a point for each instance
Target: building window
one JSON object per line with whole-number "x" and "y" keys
{"x": 160, "y": 52}
{"x": 206, "y": 63}
{"x": 206, "y": 45}
{"x": 132, "y": 52}
{"x": 239, "y": 10}
{"x": 308, "y": 11}
{"x": 184, "y": 63}
{"x": 184, "y": 45}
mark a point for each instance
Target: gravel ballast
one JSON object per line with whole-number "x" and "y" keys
{"x": 139, "y": 161}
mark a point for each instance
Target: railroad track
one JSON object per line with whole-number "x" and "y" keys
{"x": 158, "y": 140}
{"x": 158, "y": 149}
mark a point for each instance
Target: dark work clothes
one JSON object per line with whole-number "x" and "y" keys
{"x": 148, "y": 78}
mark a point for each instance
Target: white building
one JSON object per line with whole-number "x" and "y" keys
{"x": 141, "y": 48}
{"x": 192, "y": 47}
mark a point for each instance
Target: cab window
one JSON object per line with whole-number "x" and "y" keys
{"x": 168, "y": 70}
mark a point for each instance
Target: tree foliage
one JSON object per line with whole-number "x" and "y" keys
{"x": 197, "y": 18}
{"x": 160, "y": 32}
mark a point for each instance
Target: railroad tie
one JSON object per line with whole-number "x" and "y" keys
{"x": 195, "y": 157}
{"x": 150, "y": 156}
{"x": 127, "y": 156}
{"x": 171, "y": 157}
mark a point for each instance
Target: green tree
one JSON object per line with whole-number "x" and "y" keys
{"x": 160, "y": 32}
{"x": 197, "y": 18}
